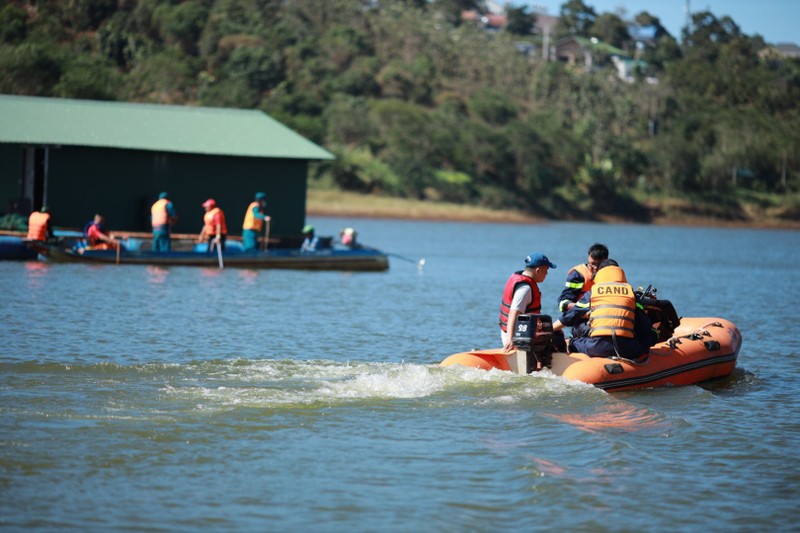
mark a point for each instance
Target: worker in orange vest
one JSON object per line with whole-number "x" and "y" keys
{"x": 40, "y": 225}
{"x": 254, "y": 220}
{"x": 214, "y": 227}
{"x": 579, "y": 277}
{"x": 618, "y": 325}
{"x": 162, "y": 217}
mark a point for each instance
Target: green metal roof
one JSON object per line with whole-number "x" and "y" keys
{"x": 162, "y": 128}
{"x": 601, "y": 46}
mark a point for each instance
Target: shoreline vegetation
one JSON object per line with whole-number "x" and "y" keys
{"x": 414, "y": 100}
{"x": 666, "y": 212}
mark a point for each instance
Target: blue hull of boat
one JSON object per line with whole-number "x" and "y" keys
{"x": 364, "y": 259}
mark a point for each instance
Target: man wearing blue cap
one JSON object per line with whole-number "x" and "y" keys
{"x": 254, "y": 219}
{"x": 162, "y": 217}
{"x": 522, "y": 295}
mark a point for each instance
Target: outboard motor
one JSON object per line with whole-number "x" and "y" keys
{"x": 533, "y": 336}
{"x": 660, "y": 312}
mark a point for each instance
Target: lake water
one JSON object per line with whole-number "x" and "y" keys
{"x": 187, "y": 398}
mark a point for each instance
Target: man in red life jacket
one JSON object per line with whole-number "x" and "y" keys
{"x": 522, "y": 295}
{"x": 214, "y": 227}
{"x": 579, "y": 277}
{"x": 96, "y": 235}
{"x": 40, "y": 226}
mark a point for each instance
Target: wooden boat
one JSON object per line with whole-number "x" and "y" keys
{"x": 700, "y": 349}
{"x": 13, "y": 247}
{"x": 14, "y": 244}
{"x": 358, "y": 259}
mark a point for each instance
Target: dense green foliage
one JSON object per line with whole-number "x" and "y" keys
{"x": 417, "y": 103}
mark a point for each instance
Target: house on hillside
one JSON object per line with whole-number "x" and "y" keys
{"x": 590, "y": 54}
{"x": 628, "y": 68}
{"x": 493, "y": 21}
{"x": 487, "y": 21}
{"x": 788, "y": 50}
{"x": 80, "y": 157}
{"x": 780, "y": 51}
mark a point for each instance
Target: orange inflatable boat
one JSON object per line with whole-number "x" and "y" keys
{"x": 700, "y": 349}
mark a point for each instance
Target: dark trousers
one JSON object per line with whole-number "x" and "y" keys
{"x": 221, "y": 243}
{"x": 604, "y": 347}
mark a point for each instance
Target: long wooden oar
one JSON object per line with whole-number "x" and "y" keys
{"x": 219, "y": 255}
{"x": 266, "y": 235}
{"x": 420, "y": 263}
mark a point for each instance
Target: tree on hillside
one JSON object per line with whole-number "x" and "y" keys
{"x": 719, "y": 61}
{"x": 31, "y": 68}
{"x": 708, "y": 33}
{"x": 182, "y": 24}
{"x": 664, "y": 48}
{"x": 520, "y": 21}
{"x": 576, "y": 18}
{"x": 717, "y": 89}
{"x": 13, "y": 24}
{"x": 611, "y": 29}
{"x": 415, "y": 103}
{"x": 646, "y": 19}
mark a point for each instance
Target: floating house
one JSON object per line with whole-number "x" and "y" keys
{"x": 81, "y": 157}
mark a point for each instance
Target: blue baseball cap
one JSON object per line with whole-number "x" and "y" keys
{"x": 537, "y": 259}
{"x": 163, "y": 195}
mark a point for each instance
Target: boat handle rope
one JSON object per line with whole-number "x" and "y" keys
{"x": 631, "y": 361}
{"x": 618, "y": 357}
{"x": 696, "y": 335}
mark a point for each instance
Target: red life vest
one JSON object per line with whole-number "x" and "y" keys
{"x": 37, "y": 226}
{"x": 159, "y": 214}
{"x": 92, "y": 232}
{"x": 210, "y": 221}
{"x": 508, "y": 296}
{"x": 613, "y": 305}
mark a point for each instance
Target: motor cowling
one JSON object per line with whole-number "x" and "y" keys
{"x": 533, "y": 334}
{"x": 661, "y": 313}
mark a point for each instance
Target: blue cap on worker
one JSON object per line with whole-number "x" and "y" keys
{"x": 537, "y": 259}
{"x": 163, "y": 195}
{"x": 261, "y": 196}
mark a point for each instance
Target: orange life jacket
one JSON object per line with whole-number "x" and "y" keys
{"x": 159, "y": 214}
{"x": 37, "y": 226}
{"x": 209, "y": 219}
{"x": 583, "y": 270}
{"x": 508, "y": 296}
{"x": 613, "y": 305}
{"x": 250, "y": 220}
